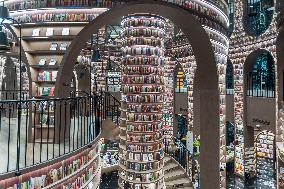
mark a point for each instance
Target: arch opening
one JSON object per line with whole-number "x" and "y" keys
{"x": 206, "y": 74}
{"x": 260, "y": 74}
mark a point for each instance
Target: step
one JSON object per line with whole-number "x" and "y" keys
{"x": 169, "y": 166}
{"x": 167, "y": 159}
{"x": 184, "y": 182}
{"x": 173, "y": 175}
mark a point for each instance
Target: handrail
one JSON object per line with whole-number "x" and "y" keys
{"x": 49, "y": 129}
{"x": 184, "y": 157}
{"x": 111, "y": 107}
{"x": 49, "y": 99}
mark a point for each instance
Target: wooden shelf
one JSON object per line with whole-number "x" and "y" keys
{"x": 47, "y": 24}
{"x": 44, "y": 126}
{"x": 43, "y": 97}
{"x": 46, "y": 52}
{"x": 45, "y": 67}
{"x": 44, "y": 141}
{"x": 48, "y": 82}
{"x": 45, "y": 112}
{"x": 49, "y": 38}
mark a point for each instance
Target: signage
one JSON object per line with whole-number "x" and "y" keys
{"x": 255, "y": 120}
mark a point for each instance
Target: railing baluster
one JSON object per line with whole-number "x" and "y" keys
{"x": 41, "y": 128}
{"x": 65, "y": 125}
{"x": 81, "y": 120}
{"x": 34, "y": 137}
{"x": 87, "y": 115}
{"x": 48, "y": 126}
{"x": 60, "y": 124}
{"x": 69, "y": 130}
{"x": 27, "y": 122}
{"x": 54, "y": 128}
{"x": 84, "y": 114}
{"x": 9, "y": 138}
{"x": 78, "y": 114}
{"x": 74, "y": 121}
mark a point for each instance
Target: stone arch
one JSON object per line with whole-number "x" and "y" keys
{"x": 280, "y": 66}
{"x": 280, "y": 78}
{"x": 206, "y": 74}
{"x": 24, "y": 57}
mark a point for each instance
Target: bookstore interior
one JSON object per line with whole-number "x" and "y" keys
{"x": 142, "y": 94}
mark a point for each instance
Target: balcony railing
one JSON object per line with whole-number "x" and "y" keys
{"x": 35, "y": 131}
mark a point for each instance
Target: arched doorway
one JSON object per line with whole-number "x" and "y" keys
{"x": 180, "y": 97}
{"x": 259, "y": 108}
{"x": 206, "y": 74}
{"x": 261, "y": 75}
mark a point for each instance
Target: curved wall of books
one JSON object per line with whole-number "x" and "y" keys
{"x": 141, "y": 129}
{"x": 241, "y": 45}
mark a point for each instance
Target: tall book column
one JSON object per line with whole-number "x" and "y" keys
{"x": 141, "y": 137}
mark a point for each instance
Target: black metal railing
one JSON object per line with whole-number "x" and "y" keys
{"x": 13, "y": 95}
{"x": 35, "y": 131}
{"x": 230, "y": 91}
{"x": 111, "y": 107}
{"x": 261, "y": 84}
{"x": 177, "y": 150}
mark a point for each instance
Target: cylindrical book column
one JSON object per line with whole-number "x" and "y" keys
{"x": 141, "y": 136}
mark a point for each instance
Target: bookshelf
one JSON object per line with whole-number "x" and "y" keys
{"x": 141, "y": 160}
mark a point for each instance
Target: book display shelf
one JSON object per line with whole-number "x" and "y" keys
{"x": 280, "y": 164}
{"x": 113, "y": 56}
{"x": 98, "y": 61}
{"x": 45, "y": 46}
{"x": 168, "y": 110}
{"x": 113, "y": 81}
{"x": 206, "y": 12}
{"x": 32, "y": 4}
{"x": 141, "y": 137}
{"x": 250, "y": 161}
{"x": 76, "y": 172}
{"x": 265, "y": 156}
{"x": 46, "y": 36}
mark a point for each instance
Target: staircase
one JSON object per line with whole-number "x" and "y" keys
{"x": 175, "y": 175}
{"x": 177, "y": 167}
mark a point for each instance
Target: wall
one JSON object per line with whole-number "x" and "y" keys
{"x": 261, "y": 111}
{"x": 230, "y": 108}
{"x": 180, "y": 103}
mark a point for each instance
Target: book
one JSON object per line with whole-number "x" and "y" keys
{"x": 53, "y": 46}
{"x": 49, "y": 32}
{"x": 52, "y": 62}
{"x": 63, "y": 46}
{"x": 65, "y": 31}
{"x": 36, "y": 32}
{"x": 42, "y": 62}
